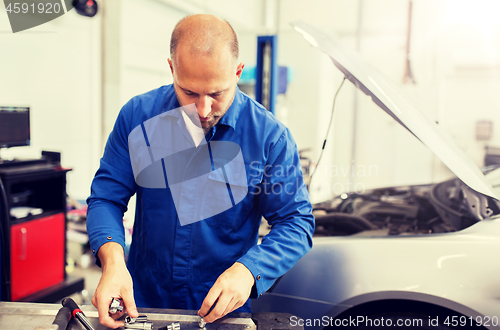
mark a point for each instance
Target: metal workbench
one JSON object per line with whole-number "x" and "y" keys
{"x": 27, "y": 316}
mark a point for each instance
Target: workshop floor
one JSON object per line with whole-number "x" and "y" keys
{"x": 92, "y": 274}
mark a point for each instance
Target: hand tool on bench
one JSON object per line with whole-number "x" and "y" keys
{"x": 61, "y": 320}
{"x": 77, "y": 312}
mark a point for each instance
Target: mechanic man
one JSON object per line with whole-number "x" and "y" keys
{"x": 213, "y": 265}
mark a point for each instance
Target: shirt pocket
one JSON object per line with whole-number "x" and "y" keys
{"x": 238, "y": 190}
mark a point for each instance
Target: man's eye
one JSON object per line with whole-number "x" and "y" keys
{"x": 189, "y": 93}
{"x": 216, "y": 95}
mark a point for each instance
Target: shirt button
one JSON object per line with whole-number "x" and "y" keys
{"x": 109, "y": 237}
{"x": 93, "y": 251}
{"x": 258, "y": 277}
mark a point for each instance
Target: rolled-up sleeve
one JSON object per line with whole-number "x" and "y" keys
{"x": 284, "y": 203}
{"x": 112, "y": 187}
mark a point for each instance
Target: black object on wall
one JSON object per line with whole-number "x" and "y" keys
{"x": 85, "y": 7}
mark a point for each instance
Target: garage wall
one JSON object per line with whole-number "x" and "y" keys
{"x": 454, "y": 59}
{"x": 469, "y": 40}
{"x": 55, "y": 69}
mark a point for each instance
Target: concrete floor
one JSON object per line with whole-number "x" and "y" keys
{"x": 92, "y": 274}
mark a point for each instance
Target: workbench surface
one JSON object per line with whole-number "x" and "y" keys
{"x": 27, "y": 316}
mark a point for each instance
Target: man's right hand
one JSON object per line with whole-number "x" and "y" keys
{"x": 115, "y": 282}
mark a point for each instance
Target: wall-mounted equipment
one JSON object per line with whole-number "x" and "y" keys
{"x": 85, "y": 7}
{"x": 14, "y": 126}
{"x": 266, "y": 80}
{"x": 484, "y": 130}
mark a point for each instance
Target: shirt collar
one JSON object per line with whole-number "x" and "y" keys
{"x": 172, "y": 103}
{"x": 231, "y": 116}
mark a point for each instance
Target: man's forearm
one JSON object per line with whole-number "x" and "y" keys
{"x": 111, "y": 254}
{"x": 115, "y": 282}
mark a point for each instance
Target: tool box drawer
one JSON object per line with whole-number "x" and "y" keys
{"x": 37, "y": 255}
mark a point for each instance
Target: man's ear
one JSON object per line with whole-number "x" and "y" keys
{"x": 239, "y": 70}
{"x": 171, "y": 66}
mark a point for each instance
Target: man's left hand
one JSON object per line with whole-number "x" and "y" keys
{"x": 230, "y": 291}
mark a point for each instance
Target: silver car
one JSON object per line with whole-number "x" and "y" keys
{"x": 422, "y": 257}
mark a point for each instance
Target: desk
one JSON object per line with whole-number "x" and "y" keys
{"x": 26, "y": 316}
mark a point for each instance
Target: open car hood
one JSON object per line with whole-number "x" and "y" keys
{"x": 384, "y": 93}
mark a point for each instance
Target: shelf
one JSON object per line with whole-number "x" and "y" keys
{"x": 57, "y": 292}
{"x": 14, "y": 221}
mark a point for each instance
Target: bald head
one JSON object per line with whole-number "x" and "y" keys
{"x": 204, "y": 35}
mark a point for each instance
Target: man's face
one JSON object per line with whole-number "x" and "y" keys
{"x": 208, "y": 82}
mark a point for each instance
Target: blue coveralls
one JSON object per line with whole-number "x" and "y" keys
{"x": 174, "y": 266}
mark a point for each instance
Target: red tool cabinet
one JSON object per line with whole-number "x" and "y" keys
{"x": 37, "y": 255}
{"x": 33, "y": 267}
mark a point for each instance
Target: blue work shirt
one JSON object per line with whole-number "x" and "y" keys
{"x": 174, "y": 265}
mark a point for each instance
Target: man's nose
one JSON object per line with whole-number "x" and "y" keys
{"x": 204, "y": 106}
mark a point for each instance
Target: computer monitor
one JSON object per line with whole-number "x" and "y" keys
{"x": 14, "y": 126}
